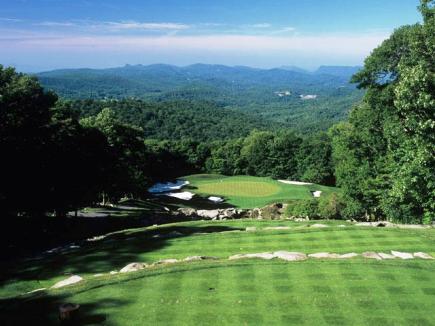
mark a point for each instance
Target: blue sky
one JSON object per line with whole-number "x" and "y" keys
{"x": 47, "y": 34}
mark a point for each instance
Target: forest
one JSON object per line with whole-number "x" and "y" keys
{"x": 65, "y": 153}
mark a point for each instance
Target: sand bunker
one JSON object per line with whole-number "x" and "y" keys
{"x": 297, "y": 183}
{"x": 185, "y": 195}
{"x": 159, "y": 188}
{"x": 215, "y": 199}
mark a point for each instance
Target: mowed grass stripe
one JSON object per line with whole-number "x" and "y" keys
{"x": 121, "y": 249}
{"x": 316, "y": 293}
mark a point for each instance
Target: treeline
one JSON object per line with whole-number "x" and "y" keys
{"x": 51, "y": 162}
{"x": 280, "y": 154}
{"x": 57, "y": 162}
{"x": 384, "y": 155}
{"x": 174, "y": 120}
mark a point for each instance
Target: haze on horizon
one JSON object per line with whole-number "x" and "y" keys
{"x": 49, "y": 34}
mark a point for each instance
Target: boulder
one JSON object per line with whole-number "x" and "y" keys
{"x": 290, "y": 256}
{"x": 197, "y": 258}
{"x": 261, "y": 255}
{"x": 208, "y": 213}
{"x": 133, "y": 267}
{"x": 371, "y": 255}
{"x": 349, "y": 255}
{"x": 230, "y": 213}
{"x": 256, "y": 213}
{"x": 167, "y": 261}
{"x": 386, "y": 256}
{"x": 402, "y": 255}
{"x": 422, "y": 255}
{"x": 187, "y": 211}
{"x": 69, "y": 281}
{"x": 321, "y": 255}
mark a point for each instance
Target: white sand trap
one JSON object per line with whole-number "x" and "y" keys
{"x": 316, "y": 193}
{"x": 216, "y": 199}
{"x": 297, "y": 183}
{"x": 168, "y": 186}
{"x": 185, "y": 195}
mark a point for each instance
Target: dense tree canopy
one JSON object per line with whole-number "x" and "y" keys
{"x": 384, "y": 156}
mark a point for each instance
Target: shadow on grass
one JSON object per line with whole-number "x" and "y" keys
{"x": 44, "y": 310}
{"x": 111, "y": 253}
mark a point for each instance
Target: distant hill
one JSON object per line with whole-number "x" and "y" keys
{"x": 339, "y": 71}
{"x": 294, "y": 68}
{"x": 303, "y": 100}
{"x": 148, "y": 81}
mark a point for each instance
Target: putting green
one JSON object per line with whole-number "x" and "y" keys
{"x": 250, "y": 192}
{"x": 242, "y": 188}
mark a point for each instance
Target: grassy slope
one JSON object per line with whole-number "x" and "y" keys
{"x": 357, "y": 291}
{"x": 210, "y": 239}
{"x": 250, "y": 192}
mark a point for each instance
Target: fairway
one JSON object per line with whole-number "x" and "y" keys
{"x": 355, "y": 291}
{"x": 250, "y": 192}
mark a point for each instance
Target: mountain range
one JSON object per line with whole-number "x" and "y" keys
{"x": 300, "y": 99}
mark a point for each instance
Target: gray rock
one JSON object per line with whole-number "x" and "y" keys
{"x": 133, "y": 267}
{"x": 187, "y": 211}
{"x": 402, "y": 255}
{"x": 422, "y": 255}
{"x": 290, "y": 256}
{"x": 208, "y": 213}
{"x": 386, "y": 256}
{"x": 168, "y": 261}
{"x": 261, "y": 255}
{"x": 198, "y": 258}
{"x": 371, "y": 255}
{"x": 349, "y": 255}
{"x": 69, "y": 281}
{"x": 321, "y": 255}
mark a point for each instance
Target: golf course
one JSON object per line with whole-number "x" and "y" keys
{"x": 215, "y": 287}
{"x": 250, "y": 192}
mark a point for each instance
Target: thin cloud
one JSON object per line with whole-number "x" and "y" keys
{"x": 10, "y": 20}
{"x": 132, "y": 25}
{"x": 356, "y": 45}
{"x": 261, "y": 25}
{"x": 284, "y": 30}
{"x": 56, "y": 24}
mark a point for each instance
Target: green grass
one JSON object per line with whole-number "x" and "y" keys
{"x": 251, "y": 292}
{"x": 250, "y": 192}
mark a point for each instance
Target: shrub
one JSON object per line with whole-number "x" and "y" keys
{"x": 303, "y": 208}
{"x": 331, "y": 207}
